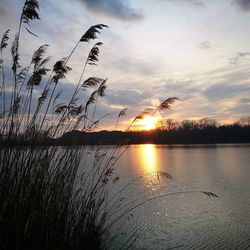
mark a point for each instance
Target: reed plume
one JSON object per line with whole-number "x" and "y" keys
{"x": 5, "y": 39}
{"x": 4, "y": 44}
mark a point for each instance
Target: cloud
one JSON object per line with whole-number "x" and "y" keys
{"x": 245, "y": 101}
{"x": 224, "y": 91}
{"x": 241, "y": 109}
{"x": 132, "y": 65}
{"x": 238, "y": 58}
{"x": 118, "y": 9}
{"x": 195, "y": 2}
{"x": 244, "y": 4}
{"x": 205, "y": 45}
{"x": 183, "y": 89}
{"x": 4, "y": 7}
{"x": 8, "y": 13}
{"x": 127, "y": 97}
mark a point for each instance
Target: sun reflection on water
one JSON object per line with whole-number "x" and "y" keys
{"x": 148, "y": 158}
{"x": 149, "y": 166}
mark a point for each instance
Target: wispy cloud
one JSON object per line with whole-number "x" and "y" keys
{"x": 244, "y": 4}
{"x": 205, "y": 45}
{"x": 127, "y": 97}
{"x": 245, "y": 101}
{"x": 224, "y": 91}
{"x": 118, "y": 9}
{"x": 239, "y": 57}
{"x": 8, "y": 13}
{"x": 242, "y": 109}
{"x": 195, "y": 2}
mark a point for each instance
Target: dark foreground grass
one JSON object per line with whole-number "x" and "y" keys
{"x": 55, "y": 197}
{"x": 42, "y": 207}
{"x": 50, "y": 197}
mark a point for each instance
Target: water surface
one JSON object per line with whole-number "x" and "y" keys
{"x": 189, "y": 220}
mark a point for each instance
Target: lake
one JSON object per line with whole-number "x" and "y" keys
{"x": 189, "y": 220}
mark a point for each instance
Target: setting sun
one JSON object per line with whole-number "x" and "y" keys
{"x": 148, "y": 123}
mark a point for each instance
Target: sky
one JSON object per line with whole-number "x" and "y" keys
{"x": 196, "y": 50}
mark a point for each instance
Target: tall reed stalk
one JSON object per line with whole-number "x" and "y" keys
{"x": 47, "y": 201}
{"x": 54, "y": 197}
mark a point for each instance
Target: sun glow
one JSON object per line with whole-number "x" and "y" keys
{"x": 148, "y": 123}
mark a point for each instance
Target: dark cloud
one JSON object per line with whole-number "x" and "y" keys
{"x": 244, "y": 4}
{"x": 243, "y": 54}
{"x": 224, "y": 91}
{"x": 245, "y": 101}
{"x": 185, "y": 90}
{"x": 238, "y": 58}
{"x": 114, "y": 8}
{"x": 127, "y": 97}
{"x": 240, "y": 109}
{"x": 3, "y": 7}
{"x": 132, "y": 65}
{"x": 2, "y": 10}
{"x": 206, "y": 110}
{"x": 8, "y": 14}
{"x": 195, "y": 2}
{"x": 205, "y": 45}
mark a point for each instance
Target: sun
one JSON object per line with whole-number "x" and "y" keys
{"x": 148, "y": 123}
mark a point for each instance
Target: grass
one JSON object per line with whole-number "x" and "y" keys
{"x": 55, "y": 197}
{"x": 47, "y": 201}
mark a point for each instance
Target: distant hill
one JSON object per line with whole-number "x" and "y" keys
{"x": 221, "y": 134}
{"x": 181, "y": 135}
{"x": 76, "y": 137}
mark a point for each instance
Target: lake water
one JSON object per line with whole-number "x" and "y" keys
{"x": 186, "y": 220}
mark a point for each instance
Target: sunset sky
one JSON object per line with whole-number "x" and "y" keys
{"x": 196, "y": 50}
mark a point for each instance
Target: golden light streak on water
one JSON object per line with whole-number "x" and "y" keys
{"x": 148, "y": 158}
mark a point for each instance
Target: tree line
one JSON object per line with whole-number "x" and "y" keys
{"x": 203, "y": 131}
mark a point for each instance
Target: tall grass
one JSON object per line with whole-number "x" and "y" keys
{"x": 46, "y": 200}
{"x": 54, "y": 197}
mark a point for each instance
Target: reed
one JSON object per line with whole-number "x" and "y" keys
{"x": 47, "y": 200}
{"x": 54, "y": 197}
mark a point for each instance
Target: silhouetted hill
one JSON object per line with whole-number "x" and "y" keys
{"x": 221, "y": 134}
{"x": 179, "y": 135}
{"x": 76, "y": 137}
